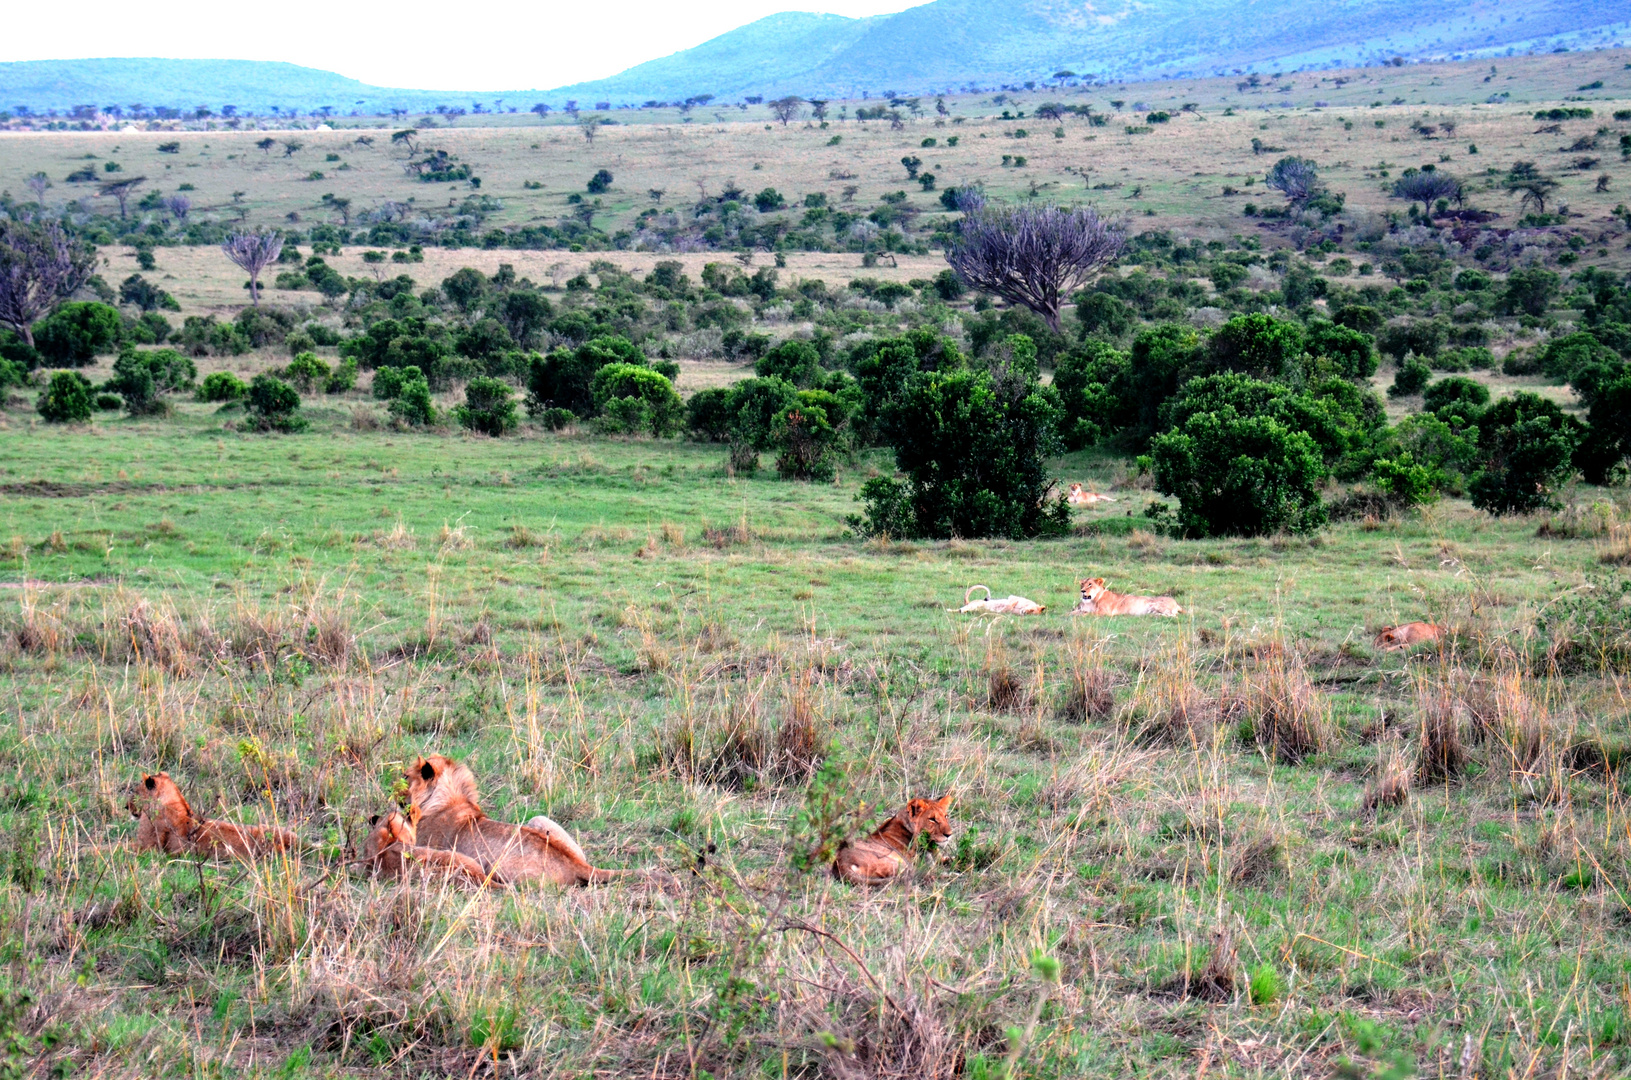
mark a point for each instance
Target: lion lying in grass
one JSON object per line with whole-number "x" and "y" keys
{"x": 392, "y": 850}
{"x": 442, "y": 795}
{"x": 166, "y": 823}
{"x": 1007, "y": 605}
{"x": 1097, "y": 599}
{"x": 1409, "y": 634}
{"x": 1080, "y": 496}
{"x": 887, "y": 852}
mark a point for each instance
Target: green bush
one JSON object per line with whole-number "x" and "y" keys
{"x": 1467, "y": 358}
{"x": 66, "y": 399}
{"x": 343, "y": 378}
{"x": 76, "y": 332}
{"x": 1528, "y": 292}
{"x": 797, "y": 362}
{"x": 412, "y": 404}
{"x": 274, "y": 405}
{"x": 1258, "y": 345}
{"x": 1457, "y": 393}
{"x": 1091, "y": 381}
{"x": 1103, "y": 314}
{"x": 1239, "y": 475}
{"x": 883, "y": 366}
{"x": 1608, "y": 433}
{"x": 221, "y": 386}
{"x": 1408, "y": 482}
{"x": 1526, "y": 445}
{"x": 565, "y": 378}
{"x": 140, "y": 378}
{"x": 973, "y": 446}
{"x": 1412, "y": 377}
{"x": 554, "y": 419}
{"x": 1424, "y": 337}
{"x": 388, "y": 381}
{"x": 307, "y": 372}
{"x": 708, "y": 414}
{"x": 488, "y": 407}
{"x": 662, "y": 411}
{"x": 108, "y": 402}
{"x": 1345, "y": 351}
{"x": 808, "y": 435}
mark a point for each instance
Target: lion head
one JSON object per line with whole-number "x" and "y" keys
{"x": 1093, "y": 588}
{"x": 931, "y": 818}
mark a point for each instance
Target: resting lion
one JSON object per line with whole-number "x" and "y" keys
{"x": 887, "y": 852}
{"x": 167, "y": 823}
{"x": 1097, "y": 599}
{"x": 442, "y": 796}
{"x": 1080, "y": 496}
{"x": 392, "y": 851}
{"x": 1007, "y": 605}
{"x": 1415, "y": 633}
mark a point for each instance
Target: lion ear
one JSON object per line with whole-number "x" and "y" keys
{"x": 914, "y": 806}
{"x": 373, "y": 821}
{"x": 944, "y": 802}
{"x": 150, "y": 782}
{"x": 427, "y": 772}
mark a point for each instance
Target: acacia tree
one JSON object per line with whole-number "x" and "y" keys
{"x": 1294, "y": 177}
{"x": 787, "y": 108}
{"x": 1535, "y": 186}
{"x": 590, "y": 126}
{"x": 121, "y": 189}
{"x": 179, "y": 206}
{"x": 818, "y": 108}
{"x": 1036, "y": 254}
{"x": 253, "y": 252}
{"x": 38, "y": 183}
{"x": 39, "y": 265}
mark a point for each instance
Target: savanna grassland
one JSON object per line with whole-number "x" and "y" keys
{"x": 1244, "y": 842}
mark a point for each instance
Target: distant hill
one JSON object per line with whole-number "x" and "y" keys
{"x": 949, "y": 44}
{"x": 251, "y": 85}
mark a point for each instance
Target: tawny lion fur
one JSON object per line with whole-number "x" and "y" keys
{"x": 1008, "y": 605}
{"x": 392, "y": 850}
{"x": 1097, "y": 599}
{"x": 166, "y": 823}
{"x": 447, "y": 815}
{"x": 1415, "y": 633}
{"x": 887, "y": 852}
{"x": 1080, "y": 496}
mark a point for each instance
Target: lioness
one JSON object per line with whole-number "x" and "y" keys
{"x": 1415, "y": 633}
{"x": 886, "y": 852}
{"x": 1097, "y": 599}
{"x": 392, "y": 850}
{"x": 1007, "y": 605}
{"x": 442, "y": 796}
{"x": 167, "y": 823}
{"x": 1080, "y": 496}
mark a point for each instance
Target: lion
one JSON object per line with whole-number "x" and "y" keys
{"x": 887, "y": 852}
{"x": 1008, "y": 605}
{"x": 166, "y": 823}
{"x": 1080, "y": 496}
{"x": 1415, "y": 633}
{"x": 443, "y": 801}
{"x": 1097, "y": 599}
{"x": 392, "y": 850}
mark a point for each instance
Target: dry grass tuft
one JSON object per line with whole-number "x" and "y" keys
{"x": 1391, "y": 784}
{"x": 1171, "y": 709}
{"x": 801, "y": 740}
{"x": 1289, "y": 717}
{"x": 155, "y": 636}
{"x": 1088, "y": 693}
{"x": 400, "y": 538}
{"x": 1441, "y": 756}
{"x": 457, "y": 537}
{"x": 1261, "y": 862}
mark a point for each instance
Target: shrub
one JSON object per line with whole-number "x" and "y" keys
{"x": 769, "y": 200}
{"x": 1239, "y": 475}
{"x": 1348, "y": 352}
{"x": 1528, "y": 292}
{"x": 708, "y": 414}
{"x": 806, "y": 438}
{"x": 307, "y": 372}
{"x": 974, "y": 448}
{"x": 141, "y": 377}
{"x": 554, "y": 419}
{"x": 1525, "y": 447}
{"x": 564, "y": 379}
{"x": 274, "y": 405}
{"x": 488, "y": 407}
{"x": 412, "y": 404}
{"x": 66, "y": 399}
{"x": 1102, "y": 313}
{"x": 1608, "y": 438}
{"x": 343, "y": 378}
{"x": 635, "y": 382}
{"x": 1424, "y": 337}
{"x": 1455, "y": 393}
{"x": 1411, "y": 378}
{"x": 750, "y": 418}
{"x": 796, "y": 362}
{"x": 1090, "y": 381}
{"x": 388, "y": 381}
{"x": 1257, "y": 345}
{"x": 221, "y": 386}
{"x": 600, "y": 183}
{"x": 72, "y": 335}
{"x": 1566, "y": 358}
{"x": 1470, "y": 358}
{"x": 1408, "y": 482}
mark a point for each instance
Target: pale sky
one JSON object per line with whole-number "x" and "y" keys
{"x": 495, "y": 45}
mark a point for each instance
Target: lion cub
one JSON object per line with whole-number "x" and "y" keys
{"x": 167, "y": 823}
{"x": 1415, "y": 633}
{"x": 391, "y": 851}
{"x": 1097, "y": 599}
{"x": 887, "y": 852}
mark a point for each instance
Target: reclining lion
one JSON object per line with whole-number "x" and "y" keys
{"x": 1004, "y": 605}
{"x": 392, "y": 851}
{"x": 1097, "y": 599}
{"x": 1415, "y": 633}
{"x": 443, "y": 802}
{"x": 887, "y": 852}
{"x": 1080, "y": 496}
{"x": 166, "y": 823}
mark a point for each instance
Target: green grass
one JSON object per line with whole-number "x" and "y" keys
{"x": 551, "y": 609}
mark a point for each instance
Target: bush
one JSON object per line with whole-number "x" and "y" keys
{"x": 221, "y": 386}
{"x": 564, "y": 379}
{"x": 554, "y": 419}
{"x": 600, "y": 183}
{"x": 72, "y": 335}
{"x": 1411, "y": 378}
{"x": 1408, "y": 482}
{"x": 1528, "y": 292}
{"x": 1102, "y": 313}
{"x": 141, "y": 377}
{"x": 412, "y": 404}
{"x": 66, "y": 399}
{"x": 1608, "y": 437}
{"x": 708, "y": 414}
{"x": 108, "y": 402}
{"x": 662, "y": 409}
{"x": 1526, "y": 445}
{"x": 973, "y": 446}
{"x": 343, "y": 378}
{"x": 1470, "y": 358}
{"x": 1257, "y": 345}
{"x": 274, "y": 405}
{"x": 388, "y": 381}
{"x": 1348, "y": 352}
{"x": 795, "y": 361}
{"x": 1090, "y": 381}
{"x": 1424, "y": 337}
{"x": 807, "y": 439}
{"x": 1456, "y": 393}
{"x": 1239, "y": 475}
{"x": 488, "y": 407}
{"x": 307, "y": 372}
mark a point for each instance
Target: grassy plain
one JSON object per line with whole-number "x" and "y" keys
{"x": 620, "y": 634}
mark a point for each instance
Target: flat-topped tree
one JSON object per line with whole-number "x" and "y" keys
{"x": 253, "y": 252}
{"x": 121, "y": 190}
{"x": 1038, "y": 254}
{"x": 787, "y": 108}
{"x": 39, "y": 266}
{"x": 1296, "y": 178}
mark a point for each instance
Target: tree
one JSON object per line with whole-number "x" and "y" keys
{"x": 600, "y": 183}
{"x": 1528, "y": 292}
{"x": 564, "y": 379}
{"x": 265, "y": 145}
{"x": 1239, "y": 475}
{"x": 633, "y": 396}
{"x": 1428, "y": 187}
{"x": 274, "y": 405}
{"x": 818, "y": 108}
{"x": 1296, "y": 178}
{"x": 488, "y": 407}
{"x": 291, "y": 147}
{"x": 786, "y": 108}
{"x": 404, "y": 138}
{"x": 1524, "y": 179}
{"x": 590, "y": 126}
{"x": 178, "y": 205}
{"x": 253, "y": 252}
{"x": 121, "y": 191}
{"x": 66, "y": 399}
{"x": 140, "y": 377}
{"x": 38, "y": 183}
{"x": 39, "y": 265}
{"x": 1526, "y": 445}
{"x": 72, "y": 335}
{"x": 1035, "y": 254}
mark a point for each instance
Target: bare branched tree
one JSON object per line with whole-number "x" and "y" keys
{"x": 179, "y": 206}
{"x": 253, "y": 252}
{"x": 121, "y": 189}
{"x": 1036, "y": 255}
{"x": 1294, "y": 177}
{"x": 591, "y": 127}
{"x": 787, "y": 108}
{"x": 39, "y": 265}
{"x": 38, "y": 183}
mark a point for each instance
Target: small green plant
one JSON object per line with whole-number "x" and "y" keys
{"x": 274, "y": 405}
{"x": 830, "y": 815}
{"x": 1264, "y": 985}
